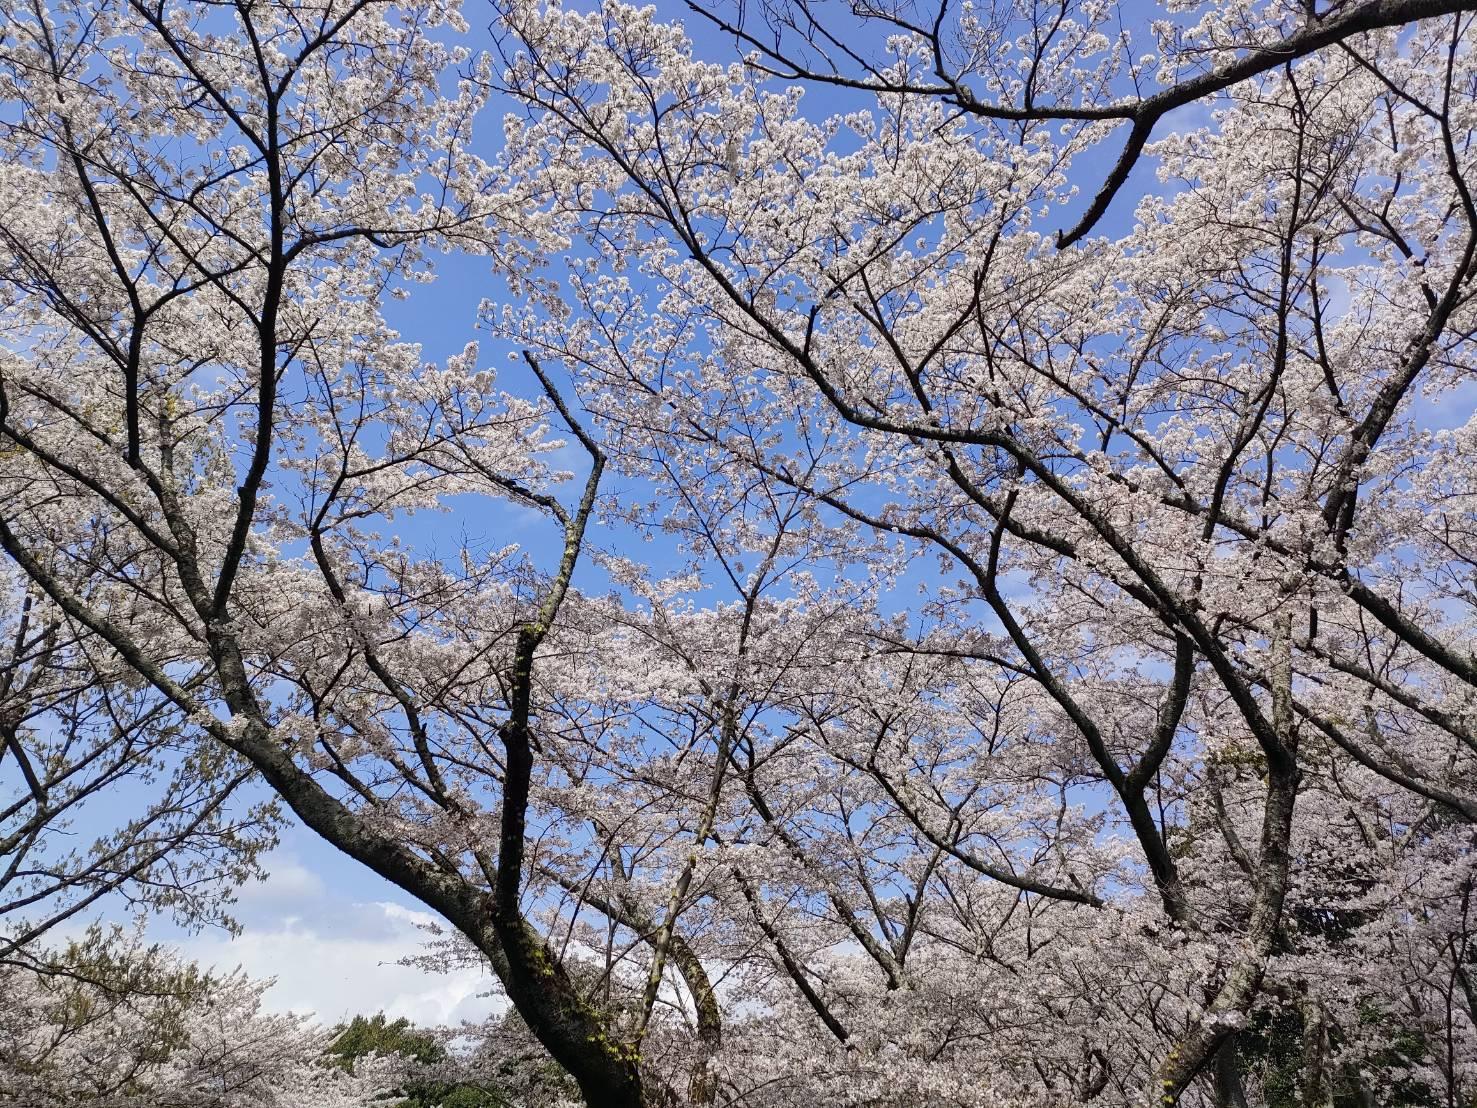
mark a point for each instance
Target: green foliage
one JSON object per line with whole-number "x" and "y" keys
{"x": 378, "y": 1035}
{"x": 1271, "y": 1047}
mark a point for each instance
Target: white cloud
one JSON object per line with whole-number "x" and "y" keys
{"x": 336, "y": 955}
{"x": 336, "y": 975}
{"x": 290, "y": 882}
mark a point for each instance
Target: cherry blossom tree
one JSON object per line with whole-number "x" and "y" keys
{"x": 1177, "y": 473}
{"x": 216, "y": 203}
{"x": 81, "y": 732}
{"x": 107, "y": 1021}
{"x": 1051, "y": 682}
